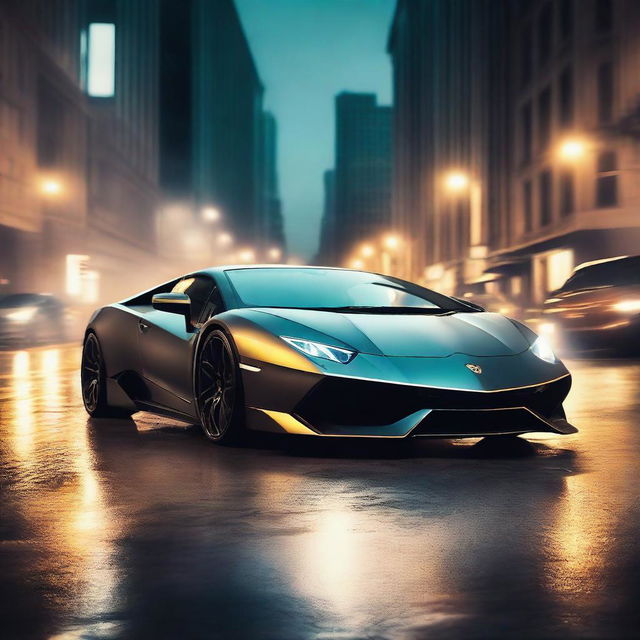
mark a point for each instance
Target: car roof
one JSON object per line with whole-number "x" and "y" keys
{"x": 234, "y": 267}
{"x": 595, "y": 263}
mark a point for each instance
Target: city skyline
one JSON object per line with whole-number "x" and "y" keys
{"x": 302, "y": 76}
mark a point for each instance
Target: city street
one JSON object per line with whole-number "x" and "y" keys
{"x": 143, "y": 529}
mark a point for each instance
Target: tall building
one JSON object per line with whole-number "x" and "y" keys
{"x": 516, "y": 139}
{"x": 362, "y": 172}
{"x": 451, "y": 127}
{"x": 272, "y": 229}
{"x": 78, "y": 183}
{"x": 212, "y": 125}
{"x": 576, "y": 99}
{"x": 327, "y": 226}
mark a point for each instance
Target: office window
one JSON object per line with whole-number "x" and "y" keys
{"x": 527, "y": 132}
{"x": 605, "y": 92}
{"x": 566, "y": 98}
{"x": 100, "y": 59}
{"x": 567, "y": 204}
{"x": 603, "y": 16}
{"x": 526, "y": 54}
{"x": 566, "y": 19}
{"x": 527, "y": 205}
{"x": 546, "y": 198}
{"x": 607, "y": 180}
{"x": 545, "y": 33}
{"x": 544, "y": 118}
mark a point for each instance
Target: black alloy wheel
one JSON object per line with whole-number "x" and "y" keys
{"x": 218, "y": 389}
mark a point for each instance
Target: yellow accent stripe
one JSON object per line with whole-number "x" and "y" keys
{"x": 288, "y": 422}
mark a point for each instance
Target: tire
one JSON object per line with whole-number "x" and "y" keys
{"x": 94, "y": 383}
{"x": 218, "y": 390}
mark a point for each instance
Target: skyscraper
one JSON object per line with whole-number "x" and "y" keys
{"x": 362, "y": 172}
{"x": 272, "y": 231}
{"x": 212, "y": 145}
{"x": 451, "y": 154}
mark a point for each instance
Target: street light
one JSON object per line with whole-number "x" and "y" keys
{"x": 367, "y": 250}
{"x": 247, "y": 255}
{"x": 50, "y": 187}
{"x": 460, "y": 182}
{"x": 357, "y": 264}
{"x": 572, "y": 149}
{"x": 274, "y": 253}
{"x": 225, "y": 239}
{"x": 210, "y": 214}
{"x": 457, "y": 181}
{"x": 391, "y": 242}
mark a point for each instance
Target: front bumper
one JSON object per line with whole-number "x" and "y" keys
{"x": 336, "y": 405}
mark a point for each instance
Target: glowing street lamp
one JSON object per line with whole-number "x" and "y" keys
{"x": 247, "y": 255}
{"x": 572, "y": 149}
{"x": 274, "y": 253}
{"x": 210, "y": 214}
{"x": 456, "y": 181}
{"x": 367, "y": 250}
{"x": 50, "y": 187}
{"x": 357, "y": 264}
{"x": 391, "y": 242}
{"x": 225, "y": 239}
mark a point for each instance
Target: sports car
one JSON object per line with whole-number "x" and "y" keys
{"x": 320, "y": 351}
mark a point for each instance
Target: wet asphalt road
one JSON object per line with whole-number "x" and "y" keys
{"x": 142, "y": 529}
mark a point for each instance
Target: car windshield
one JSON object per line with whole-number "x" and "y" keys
{"x": 624, "y": 272}
{"x": 335, "y": 289}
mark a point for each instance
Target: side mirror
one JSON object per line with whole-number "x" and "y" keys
{"x": 172, "y": 303}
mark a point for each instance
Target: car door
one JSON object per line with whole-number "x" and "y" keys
{"x": 166, "y": 343}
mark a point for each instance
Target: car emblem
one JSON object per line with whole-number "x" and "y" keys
{"x": 474, "y": 367}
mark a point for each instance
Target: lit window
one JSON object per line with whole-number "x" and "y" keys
{"x": 101, "y": 59}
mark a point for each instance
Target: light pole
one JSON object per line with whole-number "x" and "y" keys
{"x": 460, "y": 182}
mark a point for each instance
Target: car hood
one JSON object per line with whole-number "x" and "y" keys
{"x": 479, "y": 334}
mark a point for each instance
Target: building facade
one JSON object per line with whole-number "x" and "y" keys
{"x": 451, "y": 127}
{"x": 575, "y": 196}
{"x": 516, "y": 140}
{"x": 361, "y": 208}
{"x": 78, "y": 172}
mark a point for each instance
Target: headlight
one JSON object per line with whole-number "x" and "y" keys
{"x": 22, "y": 315}
{"x": 319, "y": 350}
{"x": 628, "y": 306}
{"x": 543, "y": 350}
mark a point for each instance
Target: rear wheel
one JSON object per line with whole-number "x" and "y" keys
{"x": 94, "y": 384}
{"x": 219, "y": 390}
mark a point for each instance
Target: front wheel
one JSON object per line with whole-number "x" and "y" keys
{"x": 219, "y": 390}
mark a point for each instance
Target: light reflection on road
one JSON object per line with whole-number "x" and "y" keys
{"x": 138, "y": 528}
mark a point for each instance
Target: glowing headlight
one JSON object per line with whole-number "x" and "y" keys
{"x": 543, "y": 350}
{"x": 628, "y": 306}
{"x": 22, "y": 315}
{"x": 318, "y": 350}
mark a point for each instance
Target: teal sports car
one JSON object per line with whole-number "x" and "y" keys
{"x": 323, "y": 352}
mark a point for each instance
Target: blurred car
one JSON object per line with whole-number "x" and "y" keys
{"x": 31, "y": 318}
{"x": 495, "y": 303}
{"x": 599, "y": 305}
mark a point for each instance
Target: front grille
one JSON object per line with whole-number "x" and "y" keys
{"x": 454, "y": 423}
{"x": 367, "y": 403}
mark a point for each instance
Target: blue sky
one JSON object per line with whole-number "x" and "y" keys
{"x": 307, "y": 51}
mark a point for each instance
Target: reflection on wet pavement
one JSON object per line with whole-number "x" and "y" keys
{"x": 142, "y": 529}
